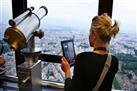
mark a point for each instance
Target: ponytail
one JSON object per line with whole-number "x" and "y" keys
{"x": 114, "y": 29}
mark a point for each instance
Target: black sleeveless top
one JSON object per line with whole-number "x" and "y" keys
{"x": 87, "y": 70}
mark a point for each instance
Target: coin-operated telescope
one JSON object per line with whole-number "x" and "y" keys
{"x": 21, "y": 36}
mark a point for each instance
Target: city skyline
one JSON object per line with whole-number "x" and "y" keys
{"x": 126, "y": 77}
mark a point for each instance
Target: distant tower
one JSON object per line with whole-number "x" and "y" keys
{"x": 73, "y": 37}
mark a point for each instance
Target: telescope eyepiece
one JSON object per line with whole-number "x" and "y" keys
{"x": 12, "y": 22}
{"x": 39, "y": 34}
{"x": 46, "y": 9}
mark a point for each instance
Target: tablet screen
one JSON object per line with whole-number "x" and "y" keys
{"x": 68, "y": 50}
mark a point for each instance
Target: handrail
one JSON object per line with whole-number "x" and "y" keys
{"x": 43, "y": 83}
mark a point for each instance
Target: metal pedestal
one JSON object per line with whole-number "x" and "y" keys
{"x": 29, "y": 76}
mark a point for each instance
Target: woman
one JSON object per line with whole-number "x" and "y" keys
{"x": 89, "y": 65}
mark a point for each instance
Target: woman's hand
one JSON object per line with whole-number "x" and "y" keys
{"x": 1, "y": 60}
{"x": 65, "y": 67}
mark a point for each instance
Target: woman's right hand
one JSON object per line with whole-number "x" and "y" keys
{"x": 65, "y": 67}
{"x": 1, "y": 60}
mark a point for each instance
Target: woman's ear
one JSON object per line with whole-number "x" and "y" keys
{"x": 92, "y": 39}
{"x": 93, "y": 36}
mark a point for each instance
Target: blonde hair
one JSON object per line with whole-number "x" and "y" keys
{"x": 102, "y": 25}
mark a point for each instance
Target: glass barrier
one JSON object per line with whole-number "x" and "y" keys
{"x": 71, "y": 20}
{"x": 5, "y": 15}
{"x": 125, "y": 45}
{"x": 66, "y": 19}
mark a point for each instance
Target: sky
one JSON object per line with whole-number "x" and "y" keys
{"x": 70, "y": 13}
{"x": 77, "y": 13}
{"x": 125, "y": 12}
{"x": 80, "y": 12}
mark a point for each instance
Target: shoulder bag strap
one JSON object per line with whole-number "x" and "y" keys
{"x": 104, "y": 72}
